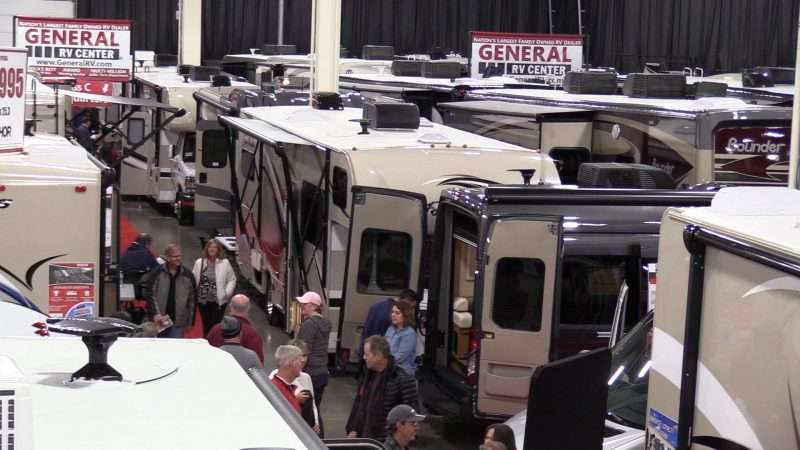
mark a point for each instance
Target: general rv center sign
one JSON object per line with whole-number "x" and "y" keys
{"x": 61, "y": 48}
{"x": 526, "y": 57}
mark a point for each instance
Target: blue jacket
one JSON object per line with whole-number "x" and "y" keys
{"x": 377, "y": 321}
{"x": 403, "y": 345}
{"x": 135, "y": 261}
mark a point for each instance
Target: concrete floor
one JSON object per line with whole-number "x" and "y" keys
{"x": 432, "y": 434}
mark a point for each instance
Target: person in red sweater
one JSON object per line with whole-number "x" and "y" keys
{"x": 290, "y": 363}
{"x": 240, "y": 308}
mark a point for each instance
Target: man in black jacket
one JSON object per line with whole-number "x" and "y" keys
{"x": 383, "y": 387}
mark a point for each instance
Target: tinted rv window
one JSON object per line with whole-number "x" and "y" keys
{"x": 189, "y": 144}
{"x": 339, "y": 187}
{"x": 384, "y": 262}
{"x": 135, "y": 130}
{"x": 311, "y": 213}
{"x": 522, "y": 131}
{"x": 247, "y": 165}
{"x": 518, "y": 289}
{"x": 589, "y": 289}
{"x": 215, "y": 153}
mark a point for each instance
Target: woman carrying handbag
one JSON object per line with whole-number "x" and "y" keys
{"x": 216, "y": 282}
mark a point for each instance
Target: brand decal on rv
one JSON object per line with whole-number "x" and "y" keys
{"x": 749, "y": 146}
{"x": 28, "y": 283}
{"x": 751, "y": 154}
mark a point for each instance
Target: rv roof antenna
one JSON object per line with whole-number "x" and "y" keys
{"x": 364, "y": 125}
{"x": 527, "y": 174}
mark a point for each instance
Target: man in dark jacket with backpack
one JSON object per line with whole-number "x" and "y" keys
{"x": 137, "y": 259}
{"x": 383, "y": 387}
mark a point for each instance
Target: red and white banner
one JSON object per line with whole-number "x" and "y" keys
{"x": 13, "y": 72}
{"x": 527, "y": 57}
{"x": 61, "y": 48}
{"x": 91, "y": 86}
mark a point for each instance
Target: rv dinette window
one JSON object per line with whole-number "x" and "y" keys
{"x": 247, "y": 165}
{"x": 215, "y": 154}
{"x": 135, "y": 130}
{"x": 518, "y": 290}
{"x": 384, "y": 262}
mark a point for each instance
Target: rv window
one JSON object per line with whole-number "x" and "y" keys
{"x": 339, "y": 187}
{"x": 589, "y": 289}
{"x": 135, "y": 131}
{"x": 518, "y": 290}
{"x": 215, "y": 153}
{"x": 512, "y": 129}
{"x": 311, "y": 213}
{"x": 189, "y": 143}
{"x": 112, "y": 113}
{"x": 247, "y": 165}
{"x": 384, "y": 262}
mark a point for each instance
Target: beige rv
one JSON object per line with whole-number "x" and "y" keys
{"x": 726, "y": 342}
{"x": 163, "y": 167}
{"x": 52, "y": 218}
{"x": 322, "y": 205}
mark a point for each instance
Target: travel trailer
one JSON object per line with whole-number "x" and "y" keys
{"x": 212, "y": 206}
{"x": 139, "y": 382}
{"x": 62, "y": 273}
{"x": 163, "y": 168}
{"x": 326, "y": 202}
{"x": 725, "y": 348}
{"x": 705, "y": 140}
{"x": 499, "y": 306}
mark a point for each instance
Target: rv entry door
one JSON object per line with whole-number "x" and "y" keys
{"x": 387, "y": 230}
{"x": 520, "y": 264}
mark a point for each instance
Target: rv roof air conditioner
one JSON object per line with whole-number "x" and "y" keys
{"x": 392, "y": 115}
{"x": 441, "y": 69}
{"x": 655, "y": 85}
{"x": 619, "y": 175}
{"x": 384, "y": 52}
{"x": 327, "y": 101}
{"x": 278, "y": 49}
{"x": 406, "y": 68}
{"x": 220, "y": 81}
{"x": 98, "y": 335}
{"x": 778, "y": 75}
{"x": 707, "y": 89}
{"x": 597, "y": 83}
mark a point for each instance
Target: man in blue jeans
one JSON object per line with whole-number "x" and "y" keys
{"x": 377, "y": 321}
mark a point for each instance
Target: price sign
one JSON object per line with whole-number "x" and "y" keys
{"x": 13, "y": 71}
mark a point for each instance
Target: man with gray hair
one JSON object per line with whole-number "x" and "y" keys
{"x": 290, "y": 363}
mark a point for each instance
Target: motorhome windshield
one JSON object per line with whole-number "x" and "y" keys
{"x": 630, "y": 373}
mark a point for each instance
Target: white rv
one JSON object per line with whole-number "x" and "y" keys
{"x": 326, "y": 203}
{"x": 705, "y": 140}
{"x": 725, "y": 343}
{"x": 51, "y": 199}
{"x": 163, "y": 167}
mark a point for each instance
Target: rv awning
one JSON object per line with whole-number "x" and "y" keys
{"x": 514, "y": 109}
{"x": 262, "y": 131}
{"x": 121, "y": 100}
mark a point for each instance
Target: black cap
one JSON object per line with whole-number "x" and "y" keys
{"x": 230, "y": 327}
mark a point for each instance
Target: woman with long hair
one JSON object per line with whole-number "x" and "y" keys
{"x": 502, "y": 433}
{"x": 402, "y": 337}
{"x": 315, "y": 330}
{"x": 216, "y": 282}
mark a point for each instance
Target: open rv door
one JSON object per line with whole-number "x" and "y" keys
{"x": 384, "y": 255}
{"x": 521, "y": 259}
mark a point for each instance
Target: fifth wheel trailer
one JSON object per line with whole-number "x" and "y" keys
{"x": 726, "y": 344}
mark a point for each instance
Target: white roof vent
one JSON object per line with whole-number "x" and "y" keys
{"x": 434, "y": 138}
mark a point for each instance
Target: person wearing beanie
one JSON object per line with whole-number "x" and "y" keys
{"x": 231, "y": 333}
{"x": 401, "y": 425}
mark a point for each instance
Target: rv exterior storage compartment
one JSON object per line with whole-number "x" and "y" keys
{"x": 275, "y": 49}
{"x": 655, "y": 85}
{"x": 377, "y": 52}
{"x": 600, "y": 83}
{"x": 405, "y": 68}
{"x": 441, "y": 69}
